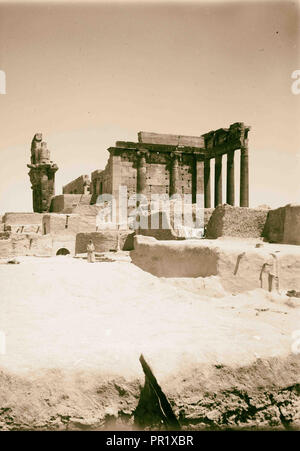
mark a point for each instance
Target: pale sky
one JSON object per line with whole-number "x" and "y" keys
{"x": 87, "y": 75}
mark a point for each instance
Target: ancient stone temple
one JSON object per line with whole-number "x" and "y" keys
{"x": 42, "y": 175}
{"x": 176, "y": 164}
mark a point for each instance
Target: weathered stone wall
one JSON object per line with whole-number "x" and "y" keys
{"x": 22, "y": 222}
{"x": 239, "y": 265}
{"x": 274, "y": 226}
{"x": 23, "y": 218}
{"x": 81, "y": 185}
{"x": 105, "y": 241}
{"x": 35, "y": 245}
{"x": 101, "y": 181}
{"x": 63, "y": 242}
{"x": 292, "y": 224}
{"x": 283, "y": 225}
{"x": 236, "y": 222}
{"x": 66, "y": 203}
{"x": 68, "y": 224}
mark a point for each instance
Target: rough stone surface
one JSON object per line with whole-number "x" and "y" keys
{"x": 238, "y": 264}
{"x": 283, "y": 225}
{"x": 19, "y": 219}
{"x": 105, "y": 241}
{"x": 236, "y": 222}
{"x": 292, "y": 225}
{"x": 81, "y": 185}
{"x": 68, "y": 224}
{"x": 66, "y": 203}
{"x": 274, "y": 226}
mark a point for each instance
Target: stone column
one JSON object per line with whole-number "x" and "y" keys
{"x": 218, "y": 180}
{"x": 207, "y": 193}
{"x": 141, "y": 173}
{"x": 244, "y": 178}
{"x": 42, "y": 175}
{"x": 174, "y": 174}
{"x": 230, "y": 178}
{"x": 44, "y": 199}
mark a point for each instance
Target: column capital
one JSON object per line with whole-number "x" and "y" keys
{"x": 142, "y": 153}
{"x": 175, "y": 154}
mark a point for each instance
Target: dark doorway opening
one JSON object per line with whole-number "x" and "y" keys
{"x": 62, "y": 251}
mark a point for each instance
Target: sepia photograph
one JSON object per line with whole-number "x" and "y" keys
{"x": 150, "y": 218}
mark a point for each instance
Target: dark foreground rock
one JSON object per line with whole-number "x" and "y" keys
{"x": 264, "y": 395}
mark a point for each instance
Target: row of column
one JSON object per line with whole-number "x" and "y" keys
{"x": 230, "y": 188}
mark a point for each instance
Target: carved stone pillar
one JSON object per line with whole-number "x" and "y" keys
{"x": 174, "y": 173}
{"x": 42, "y": 175}
{"x": 244, "y": 178}
{"x": 141, "y": 173}
{"x": 218, "y": 180}
{"x": 230, "y": 178}
{"x": 207, "y": 192}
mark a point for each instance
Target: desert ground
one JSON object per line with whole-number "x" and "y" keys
{"x": 72, "y": 327}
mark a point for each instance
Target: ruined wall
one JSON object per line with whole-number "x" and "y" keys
{"x": 66, "y": 203}
{"x": 274, "y": 226}
{"x": 238, "y": 266}
{"x": 36, "y": 245}
{"x": 127, "y": 175}
{"x": 23, "y": 222}
{"x": 81, "y": 185}
{"x": 23, "y": 218}
{"x": 283, "y": 225}
{"x": 101, "y": 181}
{"x": 68, "y": 224}
{"x": 292, "y": 224}
{"x": 236, "y": 222}
{"x": 105, "y": 241}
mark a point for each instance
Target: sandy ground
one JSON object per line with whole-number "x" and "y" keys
{"x": 64, "y": 313}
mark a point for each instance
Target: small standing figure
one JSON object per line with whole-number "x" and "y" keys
{"x": 91, "y": 252}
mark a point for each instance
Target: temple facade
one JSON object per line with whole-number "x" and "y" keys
{"x": 176, "y": 164}
{"x": 157, "y": 164}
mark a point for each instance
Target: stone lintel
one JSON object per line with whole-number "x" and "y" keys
{"x": 170, "y": 139}
{"x": 132, "y": 146}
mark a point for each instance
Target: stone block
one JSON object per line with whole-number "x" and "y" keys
{"x": 236, "y": 222}
{"x": 40, "y": 246}
{"x": 291, "y": 233}
{"x": 81, "y": 185}
{"x": 171, "y": 140}
{"x": 6, "y": 249}
{"x": 274, "y": 226}
{"x": 65, "y": 203}
{"x": 20, "y": 219}
{"x": 105, "y": 241}
{"x": 61, "y": 223}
